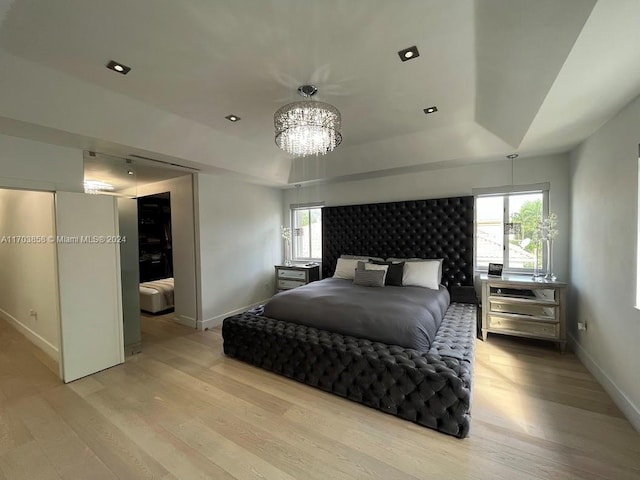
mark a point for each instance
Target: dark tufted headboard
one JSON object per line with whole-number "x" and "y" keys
{"x": 438, "y": 228}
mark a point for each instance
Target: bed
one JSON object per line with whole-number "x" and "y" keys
{"x": 156, "y": 296}
{"x": 407, "y": 316}
{"x": 426, "y": 378}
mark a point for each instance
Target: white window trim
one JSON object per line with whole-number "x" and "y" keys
{"x": 301, "y": 206}
{"x": 637, "y": 305}
{"x": 506, "y": 191}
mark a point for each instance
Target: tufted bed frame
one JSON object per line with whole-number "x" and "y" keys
{"x": 430, "y": 388}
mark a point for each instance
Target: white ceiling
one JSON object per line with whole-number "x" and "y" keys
{"x": 507, "y": 76}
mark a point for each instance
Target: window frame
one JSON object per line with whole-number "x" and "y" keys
{"x": 506, "y": 193}
{"x": 292, "y": 222}
{"x": 637, "y": 304}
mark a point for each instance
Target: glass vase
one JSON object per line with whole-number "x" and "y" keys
{"x": 550, "y": 275}
{"x": 287, "y": 254}
{"x": 536, "y": 269}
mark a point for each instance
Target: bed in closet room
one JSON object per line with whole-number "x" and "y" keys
{"x": 157, "y": 296}
{"x": 393, "y": 323}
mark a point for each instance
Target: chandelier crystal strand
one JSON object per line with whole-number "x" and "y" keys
{"x": 308, "y": 128}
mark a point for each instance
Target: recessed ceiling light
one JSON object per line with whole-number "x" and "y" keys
{"x": 429, "y": 110}
{"x": 512, "y": 156}
{"x": 118, "y": 67}
{"x": 409, "y": 53}
{"x": 232, "y": 118}
{"x": 129, "y": 172}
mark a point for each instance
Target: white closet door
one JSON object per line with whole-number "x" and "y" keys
{"x": 89, "y": 279}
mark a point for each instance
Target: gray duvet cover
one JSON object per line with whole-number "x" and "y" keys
{"x": 405, "y": 316}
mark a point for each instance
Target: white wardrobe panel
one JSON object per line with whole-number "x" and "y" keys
{"x": 90, "y": 286}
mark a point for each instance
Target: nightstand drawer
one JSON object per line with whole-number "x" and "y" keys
{"x": 548, "y": 313}
{"x": 534, "y": 293}
{"x": 533, "y": 328}
{"x": 292, "y": 274}
{"x": 288, "y": 284}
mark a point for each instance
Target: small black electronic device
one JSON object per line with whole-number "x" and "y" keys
{"x": 495, "y": 270}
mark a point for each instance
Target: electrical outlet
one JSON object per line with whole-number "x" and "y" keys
{"x": 33, "y": 313}
{"x": 582, "y": 326}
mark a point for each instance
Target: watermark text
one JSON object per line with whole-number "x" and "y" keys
{"x": 62, "y": 239}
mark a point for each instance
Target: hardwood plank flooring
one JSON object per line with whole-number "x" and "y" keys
{"x": 182, "y": 410}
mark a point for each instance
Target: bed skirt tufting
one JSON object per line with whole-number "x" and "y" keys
{"x": 431, "y": 389}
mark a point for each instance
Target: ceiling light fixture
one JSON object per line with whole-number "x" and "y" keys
{"x": 512, "y": 156}
{"x": 409, "y": 53}
{"x": 232, "y": 118}
{"x": 308, "y": 127}
{"x": 118, "y": 67}
{"x": 96, "y": 186}
{"x": 129, "y": 172}
{"x": 429, "y": 110}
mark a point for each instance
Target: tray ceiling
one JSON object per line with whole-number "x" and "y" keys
{"x": 507, "y": 76}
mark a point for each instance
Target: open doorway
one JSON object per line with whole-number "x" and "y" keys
{"x": 156, "y": 213}
{"x": 59, "y": 295}
{"x": 155, "y": 254}
{"x": 29, "y": 304}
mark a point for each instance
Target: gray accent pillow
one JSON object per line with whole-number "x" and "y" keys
{"x": 369, "y": 278}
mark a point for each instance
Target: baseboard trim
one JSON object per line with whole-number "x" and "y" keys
{"x": 32, "y": 336}
{"x": 624, "y": 403}
{"x": 215, "y": 321}
{"x": 186, "y": 321}
{"x": 133, "y": 349}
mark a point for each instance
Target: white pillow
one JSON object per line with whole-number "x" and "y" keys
{"x": 407, "y": 260}
{"x": 422, "y": 274}
{"x": 346, "y": 268}
{"x": 373, "y": 266}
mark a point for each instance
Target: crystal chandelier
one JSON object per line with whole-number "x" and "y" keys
{"x": 308, "y": 127}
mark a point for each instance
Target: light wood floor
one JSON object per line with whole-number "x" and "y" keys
{"x": 181, "y": 410}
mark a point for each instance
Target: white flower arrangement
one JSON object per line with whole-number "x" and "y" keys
{"x": 547, "y": 231}
{"x": 547, "y": 228}
{"x": 286, "y": 236}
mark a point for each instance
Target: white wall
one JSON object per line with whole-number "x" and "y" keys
{"x": 39, "y": 166}
{"x": 183, "y": 243}
{"x": 28, "y": 272}
{"x": 457, "y": 181}
{"x": 604, "y": 198}
{"x": 240, "y": 243}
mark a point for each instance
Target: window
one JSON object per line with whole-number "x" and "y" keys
{"x": 505, "y": 230}
{"x": 306, "y": 223}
